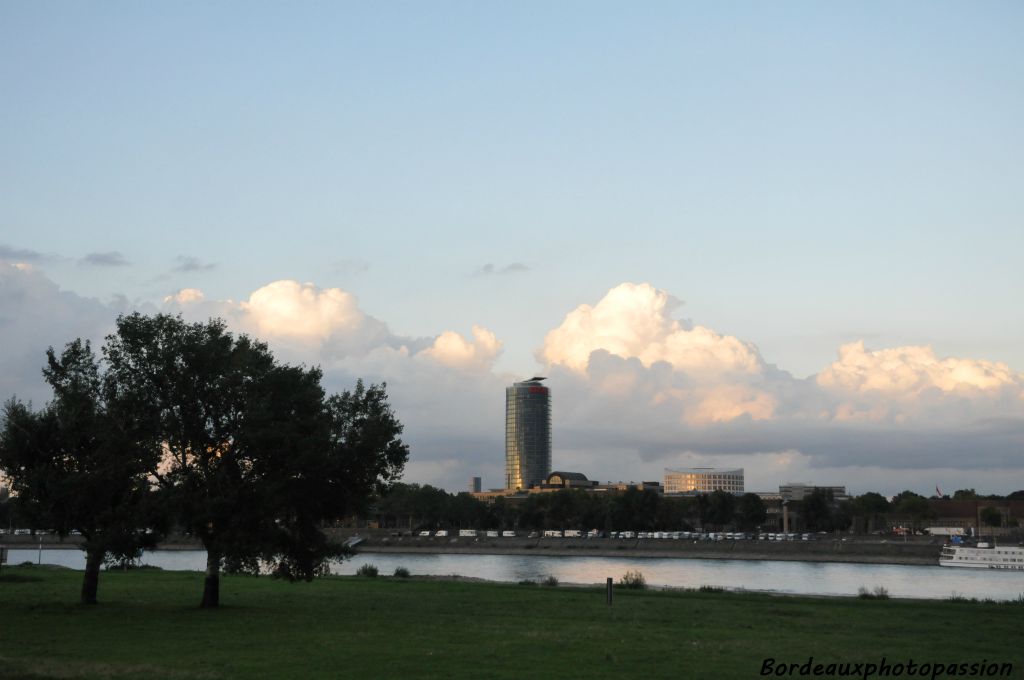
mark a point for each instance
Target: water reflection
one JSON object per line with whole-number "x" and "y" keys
{"x": 818, "y": 578}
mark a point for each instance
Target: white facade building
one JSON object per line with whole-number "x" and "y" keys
{"x": 704, "y": 480}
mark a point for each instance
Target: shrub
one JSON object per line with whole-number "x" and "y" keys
{"x": 527, "y": 582}
{"x": 401, "y": 572}
{"x": 879, "y": 593}
{"x": 633, "y": 580}
{"x": 367, "y": 570}
{"x": 550, "y": 581}
{"x": 711, "y": 589}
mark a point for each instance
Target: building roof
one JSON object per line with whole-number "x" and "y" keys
{"x": 574, "y": 476}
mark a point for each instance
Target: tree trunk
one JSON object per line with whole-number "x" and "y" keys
{"x": 91, "y": 580}
{"x": 211, "y": 586}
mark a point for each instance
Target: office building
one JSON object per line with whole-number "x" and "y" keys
{"x": 703, "y": 480}
{"x": 527, "y": 434}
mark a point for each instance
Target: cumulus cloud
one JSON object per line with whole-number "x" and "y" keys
{"x": 720, "y": 377}
{"x": 295, "y": 310}
{"x": 110, "y": 258}
{"x": 185, "y": 296}
{"x": 634, "y": 320}
{"x": 633, "y": 383}
{"x": 189, "y": 264}
{"x": 912, "y": 384}
{"x": 906, "y": 372}
{"x": 453, "y": 350}
{"x": 327, "y": 324}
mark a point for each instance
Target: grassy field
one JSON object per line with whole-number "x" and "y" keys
{"x": 148, "y": 625}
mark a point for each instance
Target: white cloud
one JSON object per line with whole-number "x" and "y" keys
{"x": 634, "y": 320}
{"x": 719, "y": 377}
{"x": 302, "y": 311}
{"x": 453, "y": 350}
{"x": 185, "y": 296}
{"x": 912, "y": 385}
{"x": 905, "y": 372}
{"x": 326, "y": 325}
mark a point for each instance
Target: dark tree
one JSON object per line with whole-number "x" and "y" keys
{"x": 991, "y": 516}
{"x": 721, "y": 508}
{"x": 703, "y": 508}
{"x": 466, "y": 512}
{"x": 256, "y": 459}
{"x": 817, "y": 509}
{"x": 912, "y": 506}
{"x": 75, "y": 465}
{"x": 871, "y": 503}
{"x": 750, "y": 512}
{"x": 5, "y": 507}
{"x": 672, "y": 514}
{"x": 965, "y": 495}
{"x": 635, "y": 509}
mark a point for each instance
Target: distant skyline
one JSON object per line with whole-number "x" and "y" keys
{"x": 781, "y": 237}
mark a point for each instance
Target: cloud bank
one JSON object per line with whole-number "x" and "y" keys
{"x": 635, "y": 389}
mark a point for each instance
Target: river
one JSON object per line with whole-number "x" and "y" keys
{"x": 804, "y": 578}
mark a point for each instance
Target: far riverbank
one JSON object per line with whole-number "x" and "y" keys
{"x": 826, "y": 549}
{"x": 849, "y": 549}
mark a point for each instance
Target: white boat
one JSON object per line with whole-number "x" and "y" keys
{"x": 982, "y": 556}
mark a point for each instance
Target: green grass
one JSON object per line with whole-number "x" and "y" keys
{"x": 148, "y": 625}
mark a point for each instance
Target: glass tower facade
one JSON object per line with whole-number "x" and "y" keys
{"x": 527, "y": 434}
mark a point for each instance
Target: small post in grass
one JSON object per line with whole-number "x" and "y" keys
{"x": 608, "y": 591}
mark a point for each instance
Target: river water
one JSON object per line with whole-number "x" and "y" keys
{"x": 807, "y": 578}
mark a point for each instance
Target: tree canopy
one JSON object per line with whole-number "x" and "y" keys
{"x": 74, "y": 467}
{"x": 247, "y": 454}
{"x": 991, "y": 516}
{"x": 256, "y": 457}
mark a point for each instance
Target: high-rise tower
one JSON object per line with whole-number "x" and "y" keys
{"x": 527, "y": 433}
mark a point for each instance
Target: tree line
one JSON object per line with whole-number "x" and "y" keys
{"x": 642, "y": 510}
{"x": 425, "y": 507}
{"x": 186, "y": 427}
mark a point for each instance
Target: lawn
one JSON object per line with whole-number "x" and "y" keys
{"x": 148, "y": 625}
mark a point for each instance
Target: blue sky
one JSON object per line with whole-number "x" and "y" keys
{"x": 801, "y": 175}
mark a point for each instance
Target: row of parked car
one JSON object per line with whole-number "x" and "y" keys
{"x": 596, "y": 533}
{"x": 713, "y": 535}
{"x": 470, "y": 533}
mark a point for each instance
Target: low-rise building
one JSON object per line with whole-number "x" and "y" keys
{"x": 703, "y": 480}
{"x": 796, "y": 491}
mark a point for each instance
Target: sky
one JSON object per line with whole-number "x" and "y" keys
{"x": 782, "y": 236}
